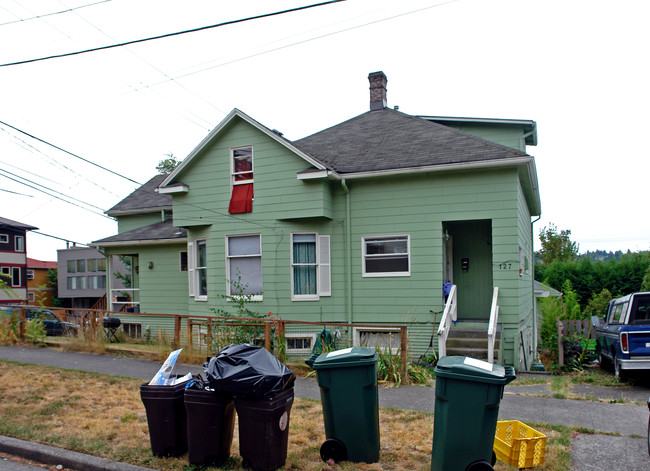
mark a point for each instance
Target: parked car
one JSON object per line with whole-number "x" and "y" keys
{"x": 623, "y": 336}
{"x": 53, "y": 325}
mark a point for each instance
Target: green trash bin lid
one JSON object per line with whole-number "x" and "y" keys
{"x": 471, "y": 369}
{"x": 354, "y": 356}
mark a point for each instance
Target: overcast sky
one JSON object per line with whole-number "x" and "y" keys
{"x": 577, "y": 68}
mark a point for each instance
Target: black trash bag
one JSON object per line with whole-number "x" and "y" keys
{"x": 247, "y": 372}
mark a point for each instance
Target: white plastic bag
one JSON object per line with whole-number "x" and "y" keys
{"x": 163, "y": 377}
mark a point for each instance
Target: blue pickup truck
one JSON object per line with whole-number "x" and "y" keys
{"x": 623, "y": 337}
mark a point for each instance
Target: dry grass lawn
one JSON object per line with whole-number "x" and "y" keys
{"x": 104, "y": 416}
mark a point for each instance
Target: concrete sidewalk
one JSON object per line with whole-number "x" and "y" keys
{"x": 628, "y": 420}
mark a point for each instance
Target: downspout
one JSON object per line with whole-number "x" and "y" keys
{"x": 348, "y": 249}
{"x": 532, "y": 247}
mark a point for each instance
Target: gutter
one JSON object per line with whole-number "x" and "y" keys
{"x": 348, "y": 250}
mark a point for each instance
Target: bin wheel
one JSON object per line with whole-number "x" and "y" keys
{"x": 493, "y": 461}
{"x": 479, "y": 466}
{"x": 333, "y": 449}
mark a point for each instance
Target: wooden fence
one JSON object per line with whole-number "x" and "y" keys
{"x": 90, "y": 320}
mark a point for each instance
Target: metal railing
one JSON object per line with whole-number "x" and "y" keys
{"x": 449, "y": 315}
{"x": 492, "y": 325}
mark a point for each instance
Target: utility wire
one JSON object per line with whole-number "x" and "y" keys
{"x": 297, "y": 43}
{"x": 68, "y": 152}
{"x": 168, "y": 35}
{"x": 52, "y": 190}
{"x": 15, "y": 193}
{"x": 20, "y": 20}
{"x": 54, "y": 196}
{"x": 59, "y": 238}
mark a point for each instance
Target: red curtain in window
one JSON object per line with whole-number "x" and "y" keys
{"x": 241, "y": 200}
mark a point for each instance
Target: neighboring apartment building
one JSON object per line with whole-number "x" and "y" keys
{"x": 13, "y": 260}
{"x": 82, "y": 276}
{"x": 39, "y": 290}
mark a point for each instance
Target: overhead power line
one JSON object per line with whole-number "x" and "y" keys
{"x": 50, "y": 189}
{"x": 178, "y": 33}
{"x": 21, "y": 20}
{"x": 68, "y": 152}
{"x": 54, "y": 196}
{"x": 59, "y": 238}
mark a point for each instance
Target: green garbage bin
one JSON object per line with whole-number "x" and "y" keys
{"x": 468, "y": 394}
{"x": 348, "y": 388}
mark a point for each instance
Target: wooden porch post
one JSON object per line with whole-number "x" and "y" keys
{"x": 177, "y": 332}
{"x": 403, "y": 337}
{"x": 22, "y": 317}
{"x": 267, "y": 336}
{"x": 190, "y": 324}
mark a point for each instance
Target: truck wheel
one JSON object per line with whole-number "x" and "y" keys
{"x": 618, "y": 372}
{"x": 602, "y": 360}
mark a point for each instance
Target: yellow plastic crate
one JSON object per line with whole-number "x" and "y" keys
{"x": 519, "y": 445}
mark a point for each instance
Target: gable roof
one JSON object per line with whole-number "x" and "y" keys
{"x": 158, "y": 233}
{"x": 142, "y": 200}
{"x": 388, "y": 140}
{"x": 10, "y": 224}
{"x": 234, "y": 114}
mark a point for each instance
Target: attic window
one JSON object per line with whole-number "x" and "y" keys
{"x": 242, "y": 165}
{"x": 241, "y": 198}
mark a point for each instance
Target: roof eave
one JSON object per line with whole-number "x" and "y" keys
{"x": 528, "y": 125}
{"x": 98, "y": 244}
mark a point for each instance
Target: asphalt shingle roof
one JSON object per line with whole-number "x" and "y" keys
{"x": 8, "y": 223}
{"x": 153, "y": 232}
{"x": 143, "y": 199}
{"x": 390, "y": 140}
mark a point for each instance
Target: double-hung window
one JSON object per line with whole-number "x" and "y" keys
{"x": 19, "y": 242}
{"x": 244, "y": 266}
{"x": 386, "y": 256}
{"x": 197, "y": 270}
{"x": 310, "y": 266}
{"x": 15, "y": 277}
{"x": 201, "y": 270}
{"x": 241, "y": 180}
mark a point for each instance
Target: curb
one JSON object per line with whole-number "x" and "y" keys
{"x": 47, "y": 454}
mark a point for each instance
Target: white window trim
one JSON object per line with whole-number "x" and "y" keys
{"x": 299, "y": 336}
{"x": 31, "y": 297}
{"x": 4, "y": 238}
{"x": 256, "y": 297}
{"x": 190, "y": 269}
{"x": 385, "y": 274}
{"x": 323, "y": 269}
{"x": 356, "y": 335}
{"x": 232, "y": 167}
{"x": 16, "y": 239}
{"x": 197, "y": 296}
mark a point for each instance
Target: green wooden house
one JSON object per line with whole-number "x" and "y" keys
{"x": 361, "y": 223}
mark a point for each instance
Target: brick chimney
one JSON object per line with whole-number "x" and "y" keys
{"x": 378, "y": 82}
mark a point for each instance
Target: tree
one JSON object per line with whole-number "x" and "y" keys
{"x": 168, "y": 165}
{"x": 556, "y": 245}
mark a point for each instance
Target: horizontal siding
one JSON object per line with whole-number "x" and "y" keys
{"x": 416, "y": 205}
{"x": 128, "y": 223}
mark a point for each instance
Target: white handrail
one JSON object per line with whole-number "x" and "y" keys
{"x": 133, "y": 295}
{"x": 492, "y": 326}
{"x": 448, "y": 316}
